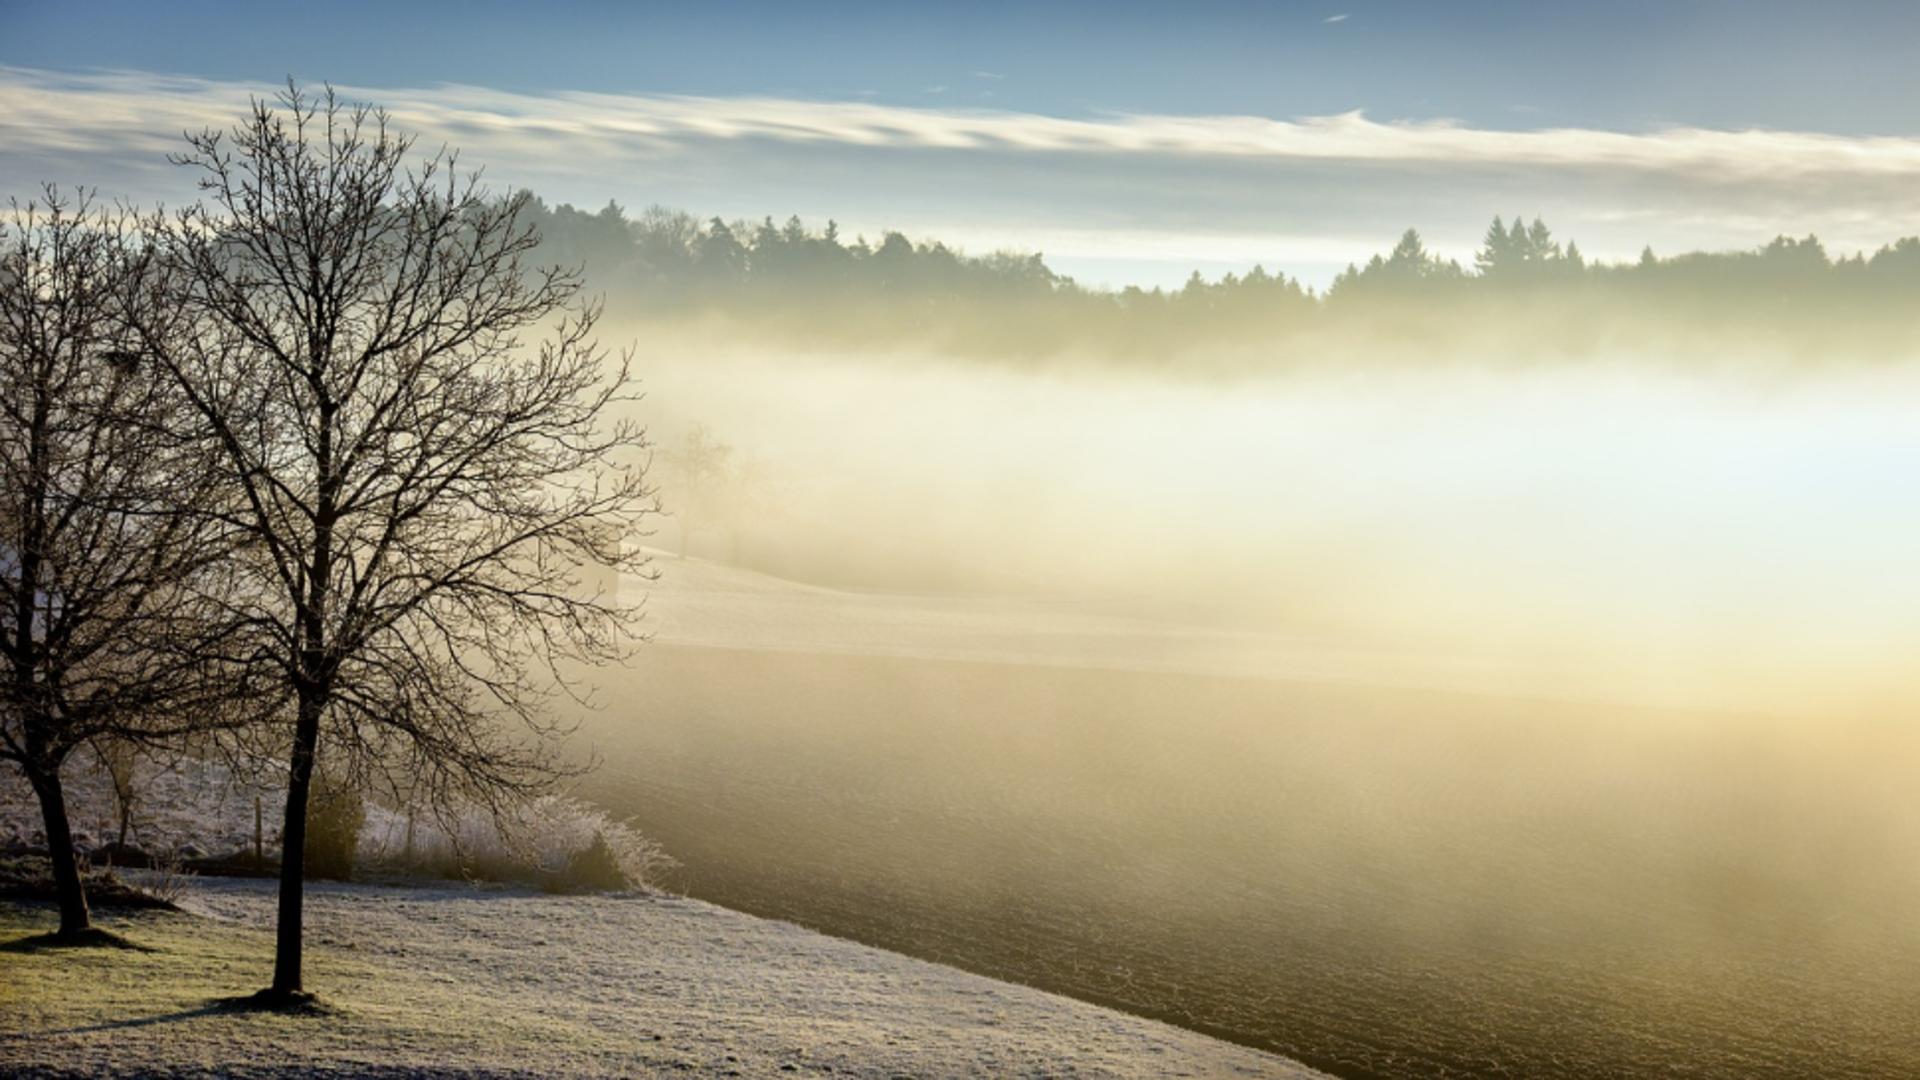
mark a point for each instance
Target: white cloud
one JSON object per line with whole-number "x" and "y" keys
{"x": 78, "y": 111}
{"x": 1138, "y": 178}
{"x": 1340, "y": 18}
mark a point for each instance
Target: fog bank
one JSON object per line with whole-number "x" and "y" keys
{"x": 1631, "y": 531}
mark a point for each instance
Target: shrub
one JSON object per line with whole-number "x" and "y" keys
{"x": 335, "y": 815}
{"x": 168, "y": 883}
{"x": 30, "y": 877}
{"x": 553, "y": 841}
{"x": 595, "y": 868}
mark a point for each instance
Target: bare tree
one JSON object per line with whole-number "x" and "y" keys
{"x": 121, "y": 763}
{"x": 421, "y": 484}
{"x": 106, "y": 570}
{"x": 702, "y": 465}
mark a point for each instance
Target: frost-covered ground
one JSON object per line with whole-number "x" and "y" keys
{"x": 457, "y": 981}
{"x": 179, "y": 803}
{"x": 189, "y": 807}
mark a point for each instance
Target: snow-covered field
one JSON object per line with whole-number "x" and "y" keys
{"x": 458, "y": 981}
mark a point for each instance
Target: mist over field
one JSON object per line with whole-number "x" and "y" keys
{"x": 1373, "y": 541}
{"x": 1629, "y": 528}
{"x": 1415, "y": 717}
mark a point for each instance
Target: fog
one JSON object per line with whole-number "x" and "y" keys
{"x": 1481, "y": 660}
{"x": 1616, "y": 530}
{"x": 1417, "y": 716}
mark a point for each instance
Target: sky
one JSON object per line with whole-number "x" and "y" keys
{"x": 1131, "y": 143}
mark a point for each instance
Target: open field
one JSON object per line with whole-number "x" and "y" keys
{"x": 1379, "y": 881}
{"x": 925, "y": 540}
{"x": 457, "y": 982}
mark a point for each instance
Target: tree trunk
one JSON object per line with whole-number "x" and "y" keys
{"x": 126, "y": 819}
{"x": 293, "y": 848}
{"x": 74, "y": 916}
{"x": 120, "y": 770}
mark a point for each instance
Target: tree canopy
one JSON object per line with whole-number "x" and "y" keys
{"x": 807, "y": 284}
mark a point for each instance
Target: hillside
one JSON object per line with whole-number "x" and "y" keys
{"x": 460, "y": 982}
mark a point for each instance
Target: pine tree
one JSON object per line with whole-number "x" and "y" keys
{"x": 1540, "y": 240}
{"x": 720, "y": 254}
{"x": 1410, "y": 256}
{"x": 1496, "y": 251}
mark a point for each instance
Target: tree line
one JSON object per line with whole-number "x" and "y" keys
{"x": 801, "y": 283}
{"x": 321, "y": 469}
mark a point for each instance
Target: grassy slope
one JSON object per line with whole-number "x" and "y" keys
{"x": 457, "y": 981}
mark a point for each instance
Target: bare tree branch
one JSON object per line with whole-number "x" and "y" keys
{"x": 113, "y": 557}
{"x": 421, "y": 435}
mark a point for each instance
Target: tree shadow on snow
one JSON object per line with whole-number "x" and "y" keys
{"x": 211, "y": 1008}
{"x": 299, "y": 1005}
{"x": 92, "y": 938}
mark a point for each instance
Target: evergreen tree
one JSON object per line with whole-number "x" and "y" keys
{"x": 1520, "y": 248}
{"x": 1540, "y": 242}
{"x": 720, "y": 256}
{"x": 1496, "y": 250}
{"x": 1409, "y": 258}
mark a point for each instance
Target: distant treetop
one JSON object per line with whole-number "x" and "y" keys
{"x": 814, "y": 285}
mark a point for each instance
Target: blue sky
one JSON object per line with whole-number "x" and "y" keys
{"x": 1146, "y": 211}
{"x": 1845, "y": 67}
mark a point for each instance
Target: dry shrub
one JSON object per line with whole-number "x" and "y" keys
{"x": 554, "y": 841}
{"x": 336, "y": 814}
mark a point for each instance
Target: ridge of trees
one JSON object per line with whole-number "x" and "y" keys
{"x": 808, "y": 283}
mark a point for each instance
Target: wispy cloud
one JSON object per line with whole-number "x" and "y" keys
{"x": 1340, "y": 18}
{"x": 1217, "y": 176}
{"x": 989, "y": 75}
{"x": 71, "y": 112}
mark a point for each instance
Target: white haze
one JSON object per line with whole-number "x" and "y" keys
{"x": 1629, "y": 531}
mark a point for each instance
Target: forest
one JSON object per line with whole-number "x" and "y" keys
{"x": 1525, "y": 293}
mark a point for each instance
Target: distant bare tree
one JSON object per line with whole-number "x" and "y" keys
{"x": 121, "y": 763}
{"x": 106, "y": 558}
{"x": 421, "y": 486}
{"x": 702, "y": 465}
